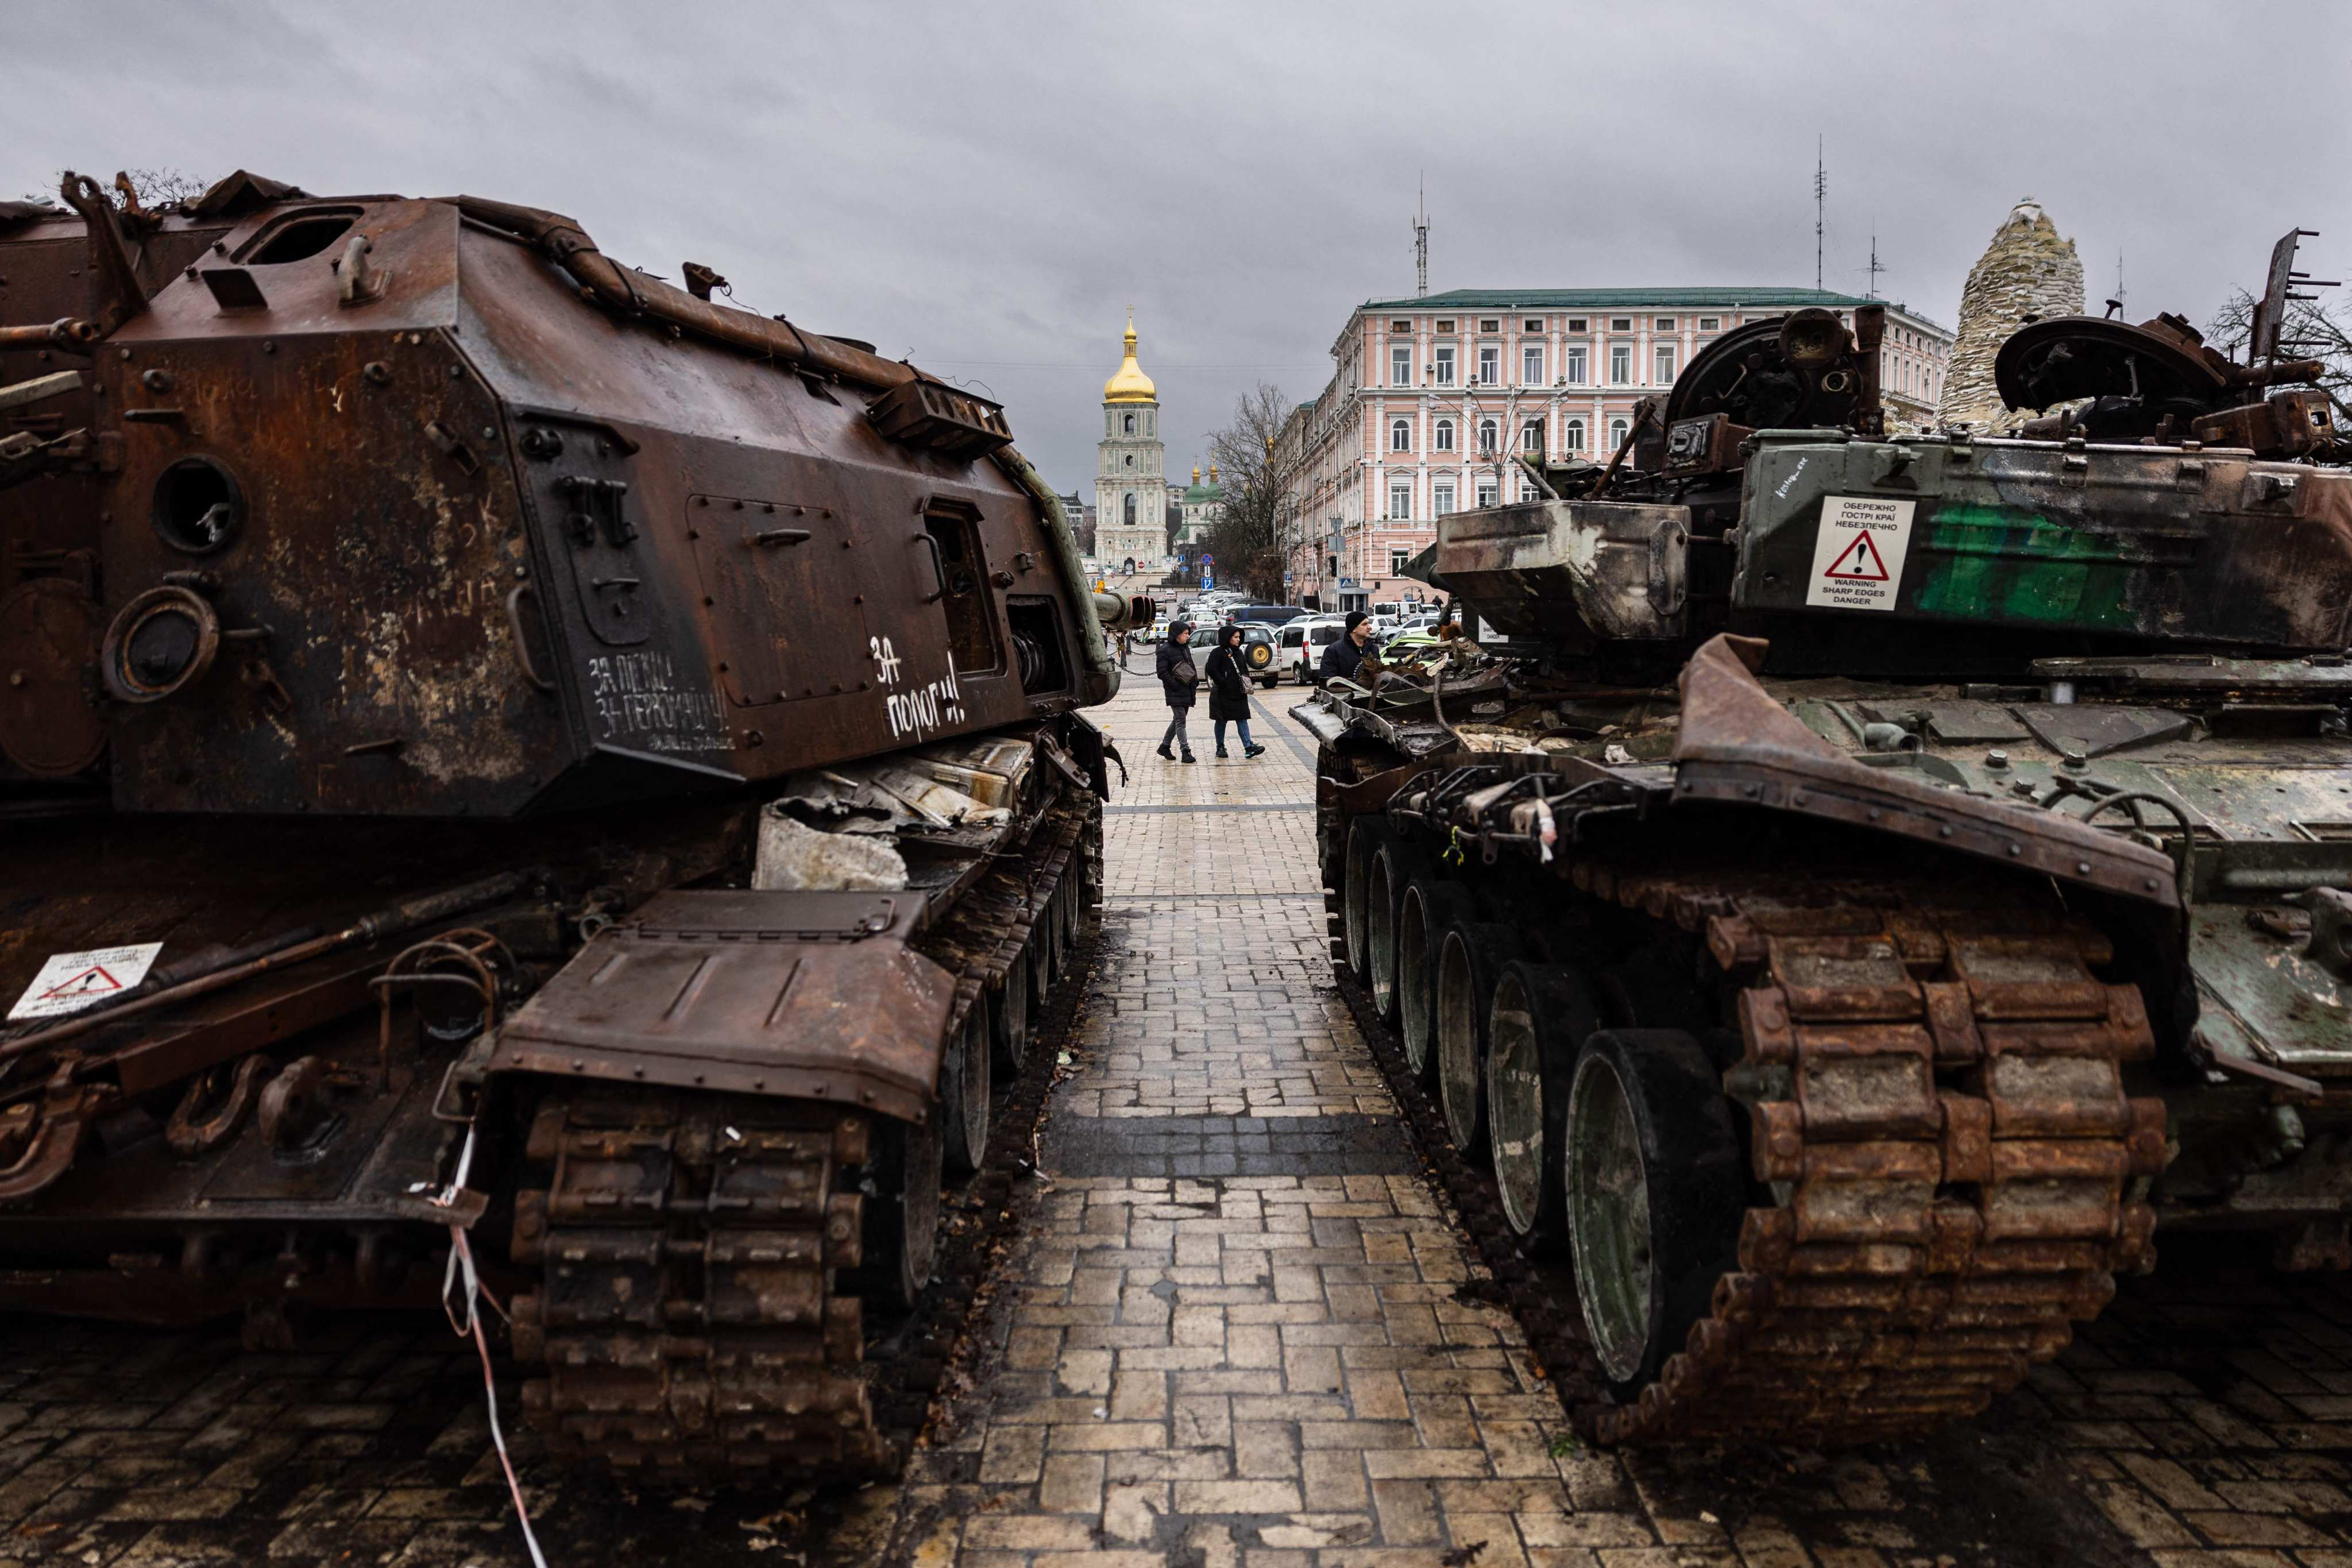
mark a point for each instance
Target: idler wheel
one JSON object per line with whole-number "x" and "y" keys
{"x": 1469, "y": 961}
{"x": 1654, "y": 1196}
{"x": 1428, "y": 907}
{"x": 964, "y": 1084}
{"x": 1393, "y": 866}
{"x": 1541, "y": 1017}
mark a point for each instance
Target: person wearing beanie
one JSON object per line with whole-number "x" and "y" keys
{"x": 1178, "y": 676}
{"x": 1229, "y": 690}
{"x": 1340, "y": 660}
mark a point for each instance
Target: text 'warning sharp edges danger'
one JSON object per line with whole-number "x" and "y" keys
{"x": 1858, "y": 553}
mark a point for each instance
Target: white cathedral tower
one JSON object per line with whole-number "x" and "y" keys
{"x": 1130, "y": 484}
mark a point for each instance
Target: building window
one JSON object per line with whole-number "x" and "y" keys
{"x": 1576, "y": 323}
{"x": 1490, "y": 325}
{"x": 1486, "y": 494}
{"x": 1621, "y": 364}
{"x": 1397, "y": 558}
{"x": 1400, "y": 436}
{"x": 1531, "y": 366}
{"x": 1616, "y": 433}
{"x": 1445, "y": 364}
{"x": 1534, "y": 324}
{"x": 1710, "y": 323}
{"x": 1662, "y": 323}
{"x": 1531, "y": 437}
{"x": 1400, "y": 326}
{"x": 1445, "y": 434}
{"x": 1575, "y": 369}
{"x": 1400, "y": 501}
{"x": 1130, "y": 459}
{"x": 1130, "y": 509}
{"x": 1443, "y": 494}
{"x": 1621, "y": 323}
{"x": 1130, "y": 425}
{"x": 1665, "y": 366}
{"x": 1571, "y": 436}
{"x": 1445, "y": 325}
{"x": 1490, "y": 365}
{"x": 1400, "y": 367}
{"x": 1489, "y": 435}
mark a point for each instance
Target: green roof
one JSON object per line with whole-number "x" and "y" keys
{"x": 1201, "y": 495}
{"x": 1618, "y": 299}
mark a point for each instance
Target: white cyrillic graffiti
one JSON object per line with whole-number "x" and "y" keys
{"x": 638, "y": 702}
{"x": 925, "y": 708}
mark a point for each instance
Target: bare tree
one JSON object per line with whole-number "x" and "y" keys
{"x": 147, "y": 188}
{"x": 1243, "y": 538}
{"x": 2314, "y": 329}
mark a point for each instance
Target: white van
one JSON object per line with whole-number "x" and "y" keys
{"x": 1300, "y": 645}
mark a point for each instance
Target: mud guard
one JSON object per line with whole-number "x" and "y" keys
{"x": 811, "y": 995}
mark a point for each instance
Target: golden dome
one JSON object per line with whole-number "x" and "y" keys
{"x": 1130, "y": 385}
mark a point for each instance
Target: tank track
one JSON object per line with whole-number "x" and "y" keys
{"x": 1935, "y": 1100}
{"x": 688, "y": 1320}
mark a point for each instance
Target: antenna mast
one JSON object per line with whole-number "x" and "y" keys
{"x": 1871, "y": 290}
{"x": 1820, "y": 206}
{"x": 1421, "y": 242}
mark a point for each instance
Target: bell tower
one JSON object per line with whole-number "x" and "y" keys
{"x": 1130, "y": 483}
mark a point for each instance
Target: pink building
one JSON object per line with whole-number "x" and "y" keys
{"x": 1430, "y": 397}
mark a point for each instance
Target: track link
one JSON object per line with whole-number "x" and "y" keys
{"x": 687, "y": 1323}
{"x": 1937, "y": 1112}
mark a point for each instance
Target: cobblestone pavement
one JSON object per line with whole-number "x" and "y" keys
{"x": 1237, "y": 1333}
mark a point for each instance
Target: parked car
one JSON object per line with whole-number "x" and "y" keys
{"x": 1300, "y": 645}
{"x": 1270, "y": 615}
{"x": 1258, "y": 651}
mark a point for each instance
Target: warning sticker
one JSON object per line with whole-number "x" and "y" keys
{"x": 1858, "y": 554}
{"x": 69, "y": 981}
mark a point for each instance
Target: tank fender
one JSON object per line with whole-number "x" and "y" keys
{"x": 805, "y": 995}
{"x": 1737, "y": 743}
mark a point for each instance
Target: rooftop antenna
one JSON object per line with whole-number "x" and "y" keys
{"x": 1871, "y": 290}
{"x": 1420, "y": 241}
{"x": 1821, "y": 207}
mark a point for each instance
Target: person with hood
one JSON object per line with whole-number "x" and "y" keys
{"x": 1178, "y": 675}
{"x": 1341, "y": 657}
{"x": 1229, "y": 690}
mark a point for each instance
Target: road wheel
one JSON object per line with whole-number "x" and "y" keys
{"x": 1428, "y": 907}
{"x": 1541, "y": 1017}
{"x": 964, "y": 1084}
{"x": 1394, "y": 864}
{"x": 902, "y": 1220}
{"x": 1469, "y": 961}
{"x": 1010, "y": 1003}
{"x": 1365, "y": 836}
{"x": 1654, "y": 1196}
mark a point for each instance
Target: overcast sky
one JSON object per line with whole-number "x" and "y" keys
{"x": 985, "y": 189}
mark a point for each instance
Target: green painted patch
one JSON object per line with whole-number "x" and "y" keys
{"x": 2006, "y": 563}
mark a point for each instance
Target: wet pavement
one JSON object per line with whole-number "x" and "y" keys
{"x": 1236, "y": 1329}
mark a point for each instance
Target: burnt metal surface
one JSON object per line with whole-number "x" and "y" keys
{"x": 815, "y": 995}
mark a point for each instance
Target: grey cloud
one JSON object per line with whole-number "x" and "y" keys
{"x": 987, "y": 188}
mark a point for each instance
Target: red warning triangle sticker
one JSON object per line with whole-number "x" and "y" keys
{"x": 1859, "y": 562}
{"x": 91, "y": 982}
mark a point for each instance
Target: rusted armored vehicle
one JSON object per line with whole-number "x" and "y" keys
{"x": 494, "y": 741}
{"x": 1872, "y": 885}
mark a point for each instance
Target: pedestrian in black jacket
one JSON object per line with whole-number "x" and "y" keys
{"x": 1229, "y": 690}
{"x": 1342, "y": 656}
{"x": 1178, "y": 675}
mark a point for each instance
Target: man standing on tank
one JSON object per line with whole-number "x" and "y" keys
{"x": 1343, "y": 655}
{"x": 1229, "y": 690}
{"x": 1178, "y": 676}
